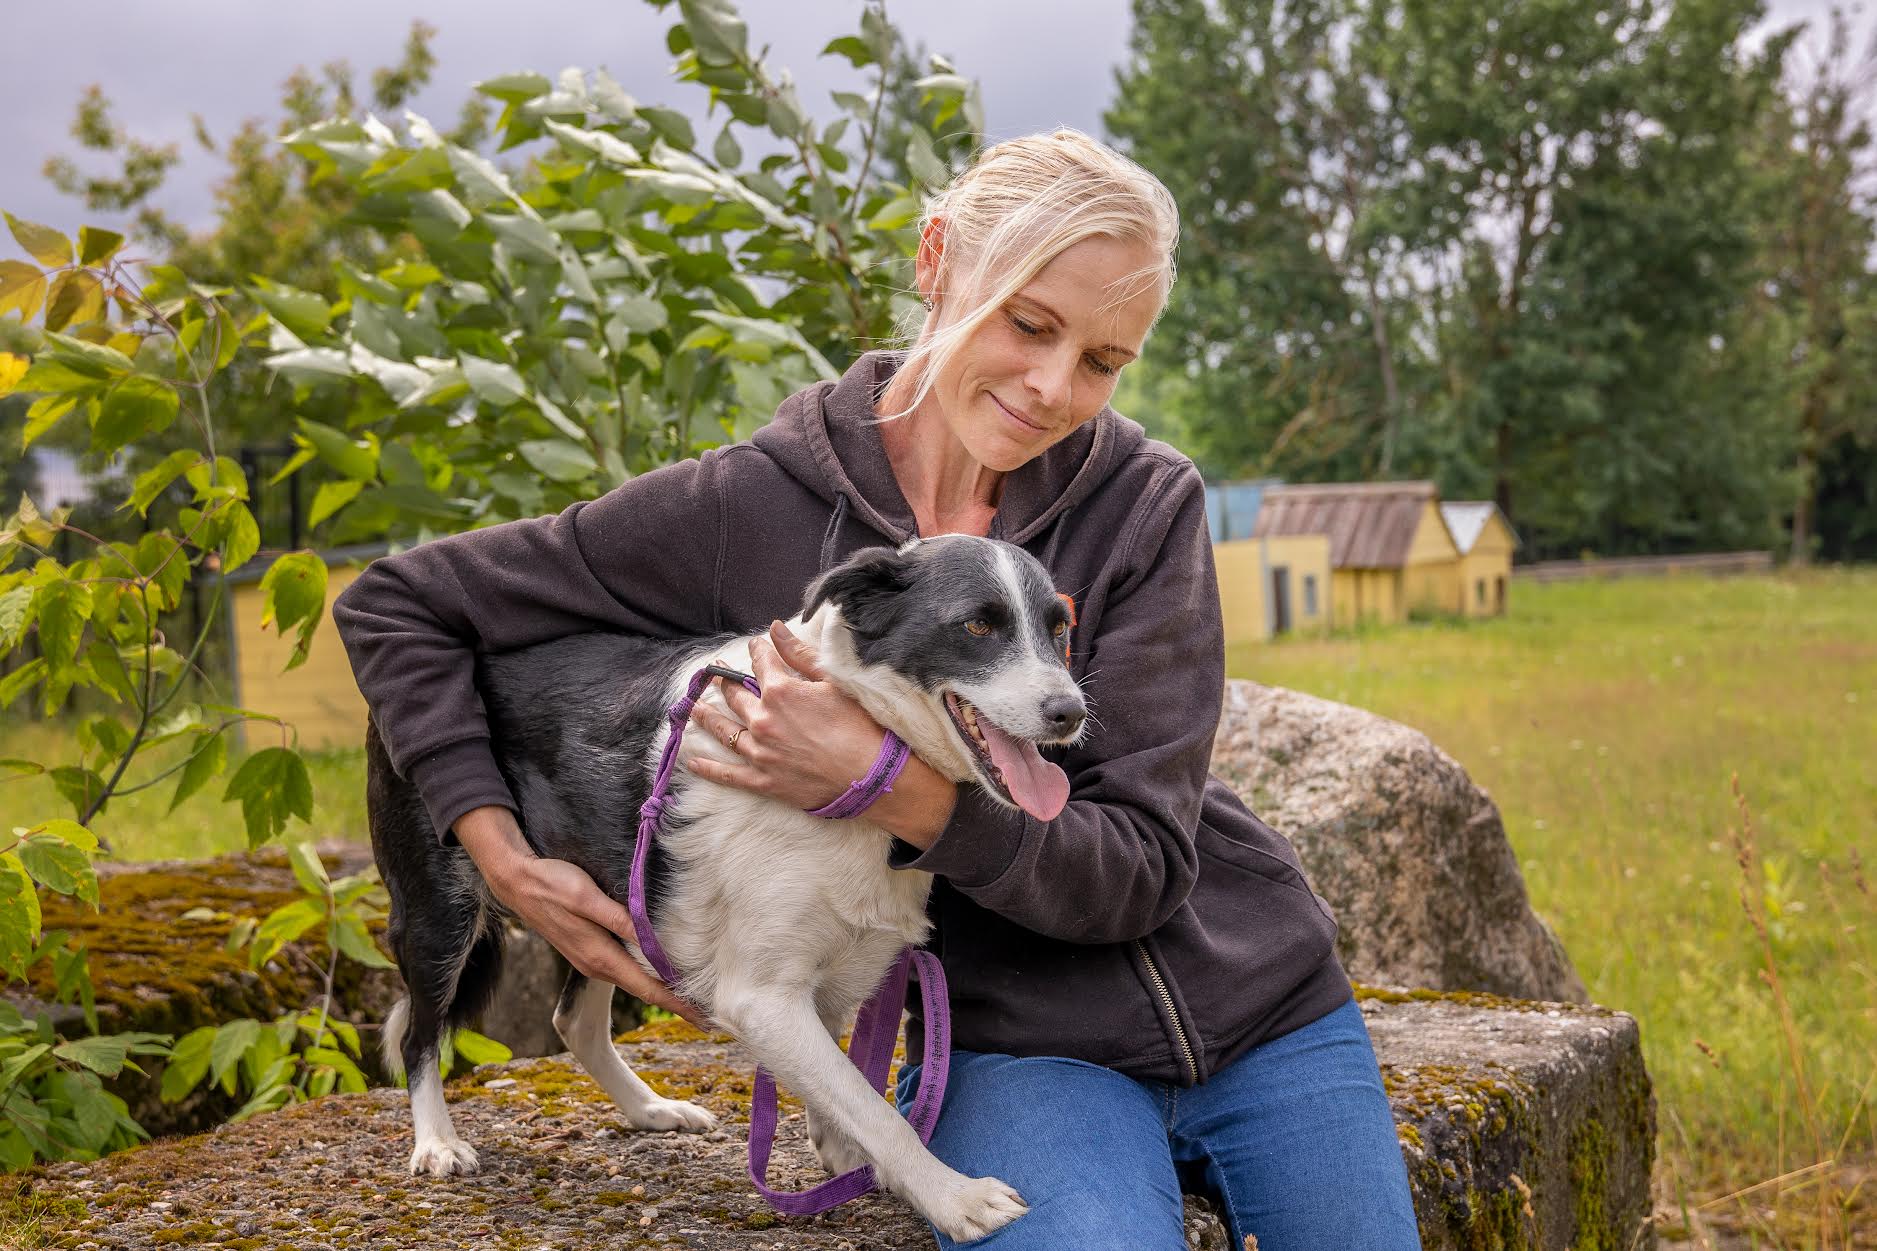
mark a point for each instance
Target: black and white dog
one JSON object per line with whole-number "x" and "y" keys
{"x": 780, "y": 923}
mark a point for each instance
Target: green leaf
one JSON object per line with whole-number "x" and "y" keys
{"x": 477, "y": 1049}
{"x": 77, "y": 298}
{"x": 331, "y": 497}
{"x": 79, "y": 786}
{"x": 308, "y": 869}
{"x": 272, "y": 785}
{"x": 559, "y": 459}
{"x": 493, "y": 381}
{"x": 293, "y": 592}
{"x": 19, "y": 915}
{"x": 43, "y": 415}
{"x": 241, "y": 537}
{"x": 153, "y": 481}
{"x": 641, "y": 313}
{"x": 899, "y": 212}
{"x": 923, "y": 161}
{"x": 853, "y": 47}
{"x": 103, "y": 1055}
{"x": 136, "y": 408}
{"x": 96, "y": 246}
{"x": 59, "y": 866}
{"x": 355, "y": 943}
{"x": 188, "y": 1063}
{"x": 71, "y": 831}
{"x": 96, "y": 360}
{"x": 302, "y": 312}
{"x": 285, "y": 924}
{"x": 717, "y": 33}
{"x": 526, "y": 237}
{"x": 728, "y": 153}
{"x": 353, "y": 459}
{"x": 106, "y": 667}
{"x": 231, "y": 1041}
{"x": 15, "y": 612}
{"x": 22, "y": 289}
{"x": 672, "y": 126}
{"x": 208, "y": 759}
{"x": 42, "y": 243}
{"x": 515, "y": 88}
{"x": 62, "y": 608}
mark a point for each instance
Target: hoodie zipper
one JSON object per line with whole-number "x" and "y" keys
{"x": 1173, "y": 1013}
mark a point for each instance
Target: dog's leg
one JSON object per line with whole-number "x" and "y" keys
{"x": 584, "y": 1018}
{"x": 792, "y": 1043}
{"x": 439, "y": 1150}
{"x": 837, "y": 1152}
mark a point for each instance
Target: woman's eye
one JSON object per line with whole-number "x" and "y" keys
{"x": 1024, "y": 326}
{"x": 1100, "y": 366}
{"x": 978, "y": 626}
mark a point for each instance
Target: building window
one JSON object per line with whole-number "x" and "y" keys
{"x": 1309, "y": 595}
{"x": 1479, "y": 593}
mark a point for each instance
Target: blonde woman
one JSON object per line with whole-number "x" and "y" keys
{"x": 1145, "y": 992}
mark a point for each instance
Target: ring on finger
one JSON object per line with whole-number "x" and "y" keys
{"x": 731, "y": 741}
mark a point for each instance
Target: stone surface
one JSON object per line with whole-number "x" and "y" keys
{"x": 1524, "y": 1124}
{"x": 1409, "y": 853}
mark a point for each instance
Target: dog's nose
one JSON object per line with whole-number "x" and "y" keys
{"x": 1065, "y": 714}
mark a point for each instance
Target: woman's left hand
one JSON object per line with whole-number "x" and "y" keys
{"x": 802, "y": 742}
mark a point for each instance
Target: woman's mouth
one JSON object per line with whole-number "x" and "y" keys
{"x": 1016, "y": 416}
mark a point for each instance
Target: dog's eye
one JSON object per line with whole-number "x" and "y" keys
{"x": 978, "y": 626}
{"x": 1059, "y": 629}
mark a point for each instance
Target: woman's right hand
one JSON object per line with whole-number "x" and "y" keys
{"x": 560, "y": 902}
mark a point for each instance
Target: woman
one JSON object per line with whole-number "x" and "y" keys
{"x": 1144, "y": 989}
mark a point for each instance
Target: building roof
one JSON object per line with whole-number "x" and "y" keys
{"x": 1467, "y": 520}
{"x": 1370, "y": 525}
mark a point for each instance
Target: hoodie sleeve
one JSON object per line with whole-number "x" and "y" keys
{"x": 642, "y": 557}
{"x": 1119, "y": 859}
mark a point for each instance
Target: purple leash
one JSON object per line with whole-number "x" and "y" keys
{"x": 875, "y": 1028}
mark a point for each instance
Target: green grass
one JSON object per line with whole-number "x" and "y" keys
{"x": 140, "y": 826}
{"x": 1607, "y": 719}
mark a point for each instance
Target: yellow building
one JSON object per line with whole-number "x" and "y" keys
{"x": 1390, "y": 549}
{"x": 1272, "y": 586}
{"x": 319, "y": 699}
{"x": 1486, "y": 544}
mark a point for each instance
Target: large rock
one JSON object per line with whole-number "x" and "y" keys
{"x": 1525, "y": 1125}
{"x": 1410, "y": 854}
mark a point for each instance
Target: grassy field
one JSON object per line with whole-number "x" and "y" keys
{"x": 1607, "y": 720}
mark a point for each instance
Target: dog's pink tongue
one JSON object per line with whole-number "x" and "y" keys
{"x": 1039, "y": 787}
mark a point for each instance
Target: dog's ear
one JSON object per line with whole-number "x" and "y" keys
{"x": 865, "y": 587}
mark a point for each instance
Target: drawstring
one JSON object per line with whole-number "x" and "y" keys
{"x": 833, "y": 531}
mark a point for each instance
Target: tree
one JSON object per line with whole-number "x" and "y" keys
{"x": 1819, "y": 293}
{"x": 1479, "y": 241}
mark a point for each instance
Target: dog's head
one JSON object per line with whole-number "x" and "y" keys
{"x": 960, "y": 646}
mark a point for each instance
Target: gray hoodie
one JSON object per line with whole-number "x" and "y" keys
{"x": 1154, "y": 926}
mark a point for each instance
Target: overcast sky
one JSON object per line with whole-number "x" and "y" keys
{"x": 1041, "y": 63}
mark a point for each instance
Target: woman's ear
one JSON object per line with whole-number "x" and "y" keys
{"x": 930, "y": 260}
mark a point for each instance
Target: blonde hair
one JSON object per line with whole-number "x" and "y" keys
{"x": 1020, "y": 205}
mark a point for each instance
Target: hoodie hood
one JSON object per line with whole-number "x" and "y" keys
{"x": 826, "y": 438}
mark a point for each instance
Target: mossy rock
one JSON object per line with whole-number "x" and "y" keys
{"x": 1524, "y": 1124}
{"x": 154, "y": 971}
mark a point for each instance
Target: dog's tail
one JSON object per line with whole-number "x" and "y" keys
{"x": 391, "y": 1041}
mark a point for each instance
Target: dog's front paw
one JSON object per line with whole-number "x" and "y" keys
{"x": 834, "y": 1149}
{"x": 672, "y": 1114}
{"x": 440, "y": 1157}
{"x": 977, "y": 1206}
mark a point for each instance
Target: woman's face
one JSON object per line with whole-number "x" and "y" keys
{"x": 1047, "y": 361}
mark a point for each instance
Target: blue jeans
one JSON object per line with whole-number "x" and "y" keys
{"x": 1295, "y": 1139}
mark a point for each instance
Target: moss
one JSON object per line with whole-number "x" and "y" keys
{"x": 153, "y": 971}
{"x": 1590, "y": 1185}
{"x": 1471, "y": 999}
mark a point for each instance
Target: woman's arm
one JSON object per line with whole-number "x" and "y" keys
{"x": 639, "y": 558}
{"x": 1120, "y": 858}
